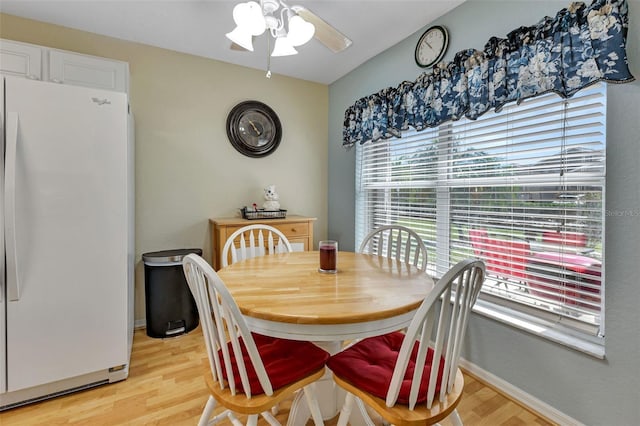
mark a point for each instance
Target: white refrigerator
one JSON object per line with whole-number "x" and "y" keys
{"x": 66, "y": 295}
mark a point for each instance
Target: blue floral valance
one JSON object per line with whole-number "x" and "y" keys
{"x": 578, "y": 47}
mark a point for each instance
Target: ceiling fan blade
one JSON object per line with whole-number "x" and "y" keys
{"x": 237, "y": 47}
{"x": 325, "y": 33}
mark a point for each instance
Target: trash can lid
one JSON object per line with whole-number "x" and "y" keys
{"x": 169, "y": 256}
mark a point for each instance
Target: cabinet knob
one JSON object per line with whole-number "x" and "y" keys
{"x": 55, "y": 80}
{"x": 33, "y": 77}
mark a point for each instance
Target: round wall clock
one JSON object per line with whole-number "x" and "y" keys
{"x": 254, "y": 129}
{"x": 432, "y": 46}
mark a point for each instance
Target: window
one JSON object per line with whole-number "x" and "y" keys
{"x": 522, "y": 189}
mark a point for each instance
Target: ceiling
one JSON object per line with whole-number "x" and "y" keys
{"x": 199, "y": 27}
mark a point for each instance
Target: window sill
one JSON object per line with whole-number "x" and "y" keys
{"x": 590, "y": 345}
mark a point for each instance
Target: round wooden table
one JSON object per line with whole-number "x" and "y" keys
{"x": 285, "y": 296}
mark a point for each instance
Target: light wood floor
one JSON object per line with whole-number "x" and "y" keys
{"x": 165, "y": 387}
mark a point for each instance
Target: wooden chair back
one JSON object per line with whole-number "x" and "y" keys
{"x": 507, "y": 258}
{"x": 246, "y": 370}
{"x": 478, "y": 241}
{"x": 412, "y": 378}
{"x": 458, "y": 290}
{"x": 503, "y": 258}
{"x": 396, "y": 242}
{"x": 225, "y": 323}
{"x": 575, "y": 239}
{"x": 252, "y": 241}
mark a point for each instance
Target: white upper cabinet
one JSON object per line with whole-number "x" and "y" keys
{"x": 21, "y": 59}
{"x": 89, "y": 71}
{"x": 60, "y": 66}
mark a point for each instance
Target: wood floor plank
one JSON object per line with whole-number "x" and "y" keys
{"x": 166, "y": 387}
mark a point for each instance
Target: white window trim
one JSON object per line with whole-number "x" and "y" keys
{"x": 590, "y": 345}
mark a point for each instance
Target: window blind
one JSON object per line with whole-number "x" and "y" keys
{"x": 522, "y": 189}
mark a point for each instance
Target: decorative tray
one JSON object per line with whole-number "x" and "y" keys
{"x": 262, "y": 214}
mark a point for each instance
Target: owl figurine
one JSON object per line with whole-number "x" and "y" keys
{"x": 271, "y": 199}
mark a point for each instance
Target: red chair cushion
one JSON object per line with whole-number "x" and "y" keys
{"x": 285, "y": 361}
{"x": 369, "y": 366}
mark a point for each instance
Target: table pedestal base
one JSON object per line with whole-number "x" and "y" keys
{"x": 330, "y": 397}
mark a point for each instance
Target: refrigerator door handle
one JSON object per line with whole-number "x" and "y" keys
{"x": 13, "y": 283}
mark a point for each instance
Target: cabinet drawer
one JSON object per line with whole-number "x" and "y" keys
{"x": 290, "y": 230}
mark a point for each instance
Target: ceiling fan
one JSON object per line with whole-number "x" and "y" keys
{"x": 290, "y": 26}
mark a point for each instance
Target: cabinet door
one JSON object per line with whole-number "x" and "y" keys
{"x": 88, "y": 71}
{"x": 298, "y": 244}
{"x": 20, "y": 59}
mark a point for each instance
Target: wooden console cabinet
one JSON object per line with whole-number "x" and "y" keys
{"x": 297, "y": 229}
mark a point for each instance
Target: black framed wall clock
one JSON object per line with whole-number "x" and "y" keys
{"x": 432, "y": 46}
{"x": 254, "y": 129}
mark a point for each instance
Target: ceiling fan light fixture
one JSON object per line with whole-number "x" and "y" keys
{"x": 283, "y": 47}
{"x": 241, "y": 37}
{"x": 290, "y": 26}
{"x": 300, "y": 31}
{"x": 249, "y": 17}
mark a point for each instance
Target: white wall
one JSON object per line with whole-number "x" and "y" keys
{"x": 595, "y": 392}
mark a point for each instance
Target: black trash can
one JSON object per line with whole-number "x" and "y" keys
{"x": 171, "y": 309}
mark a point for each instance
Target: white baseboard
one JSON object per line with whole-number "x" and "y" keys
{"x": 520, "y": 396}
{"x": 140, "y": 323}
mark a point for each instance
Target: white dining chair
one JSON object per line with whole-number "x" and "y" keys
{"x": 248, "y": 373}
{"x": 413, "y": 378}
{"x": 252, "y": 241}
{"x": 397, "y": 242}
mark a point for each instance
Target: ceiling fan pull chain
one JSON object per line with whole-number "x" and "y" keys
{"x": 268, "y": 58}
